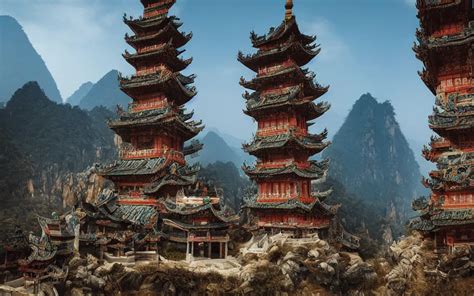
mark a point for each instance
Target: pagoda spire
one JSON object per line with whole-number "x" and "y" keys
{"x": 289, "y": 10}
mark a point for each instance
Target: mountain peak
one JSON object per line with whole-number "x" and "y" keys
{"x": 21, "y": 63}
{"x": 112, "y": 72}
{"x": 216, "y": 149}
{"x": 8, "y": 21}
{"x": 106, "y": 92}
{"x": 371, "y": 157}
{"x": 80, "y": 93}
{"x": 28, "y": 95}
{"x": 366, "y": 101}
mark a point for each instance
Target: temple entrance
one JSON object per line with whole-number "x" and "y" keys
{"x": 207, "y": 250}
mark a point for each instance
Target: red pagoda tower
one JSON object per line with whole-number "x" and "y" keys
{"x": 152, "y": 159}
{"x": 282, "y": 104}
{"x": 155, "y": 188}
{"x": 446, "y": 48}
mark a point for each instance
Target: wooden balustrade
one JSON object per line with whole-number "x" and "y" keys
{"x": 151, "y": 48}
{"x": 208, "y": 238}
{"x": 152, "y": 153}
{"x": 281, "y": 164}
{"x": 440, "y": 144}
{"x": 138, "y": 107}
{"x": 282, "y": 129}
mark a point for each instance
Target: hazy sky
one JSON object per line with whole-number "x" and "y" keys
{"x": 366, "y": 47}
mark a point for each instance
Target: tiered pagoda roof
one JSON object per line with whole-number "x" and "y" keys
{"x": 445, "y": 47}
{"x": 315, "y": 170}
{"x": 282, "y": 102}
{"x": 159, "y": 92}
{"x": 154, "y": 185}
{"x": 313, "y": 143}
{"x": 293, "y": 97}
{"x": 166, "y": 54}
{"x": 165, "y": 118}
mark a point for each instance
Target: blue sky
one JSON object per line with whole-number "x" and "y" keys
{"x": 366, "y": 47}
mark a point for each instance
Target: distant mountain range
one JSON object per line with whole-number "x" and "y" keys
{"x": 217, "y": 148}
{"x": 20, "y": 63}
{"x": 105, "y": 92}
{"x": 371, "y": 158}
{"x": 80, "y": 93}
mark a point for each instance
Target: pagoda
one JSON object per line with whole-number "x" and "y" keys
{"x": 282, "y": 104}
{"x": 445, "y": 46}
{"x": 152, "y": 179}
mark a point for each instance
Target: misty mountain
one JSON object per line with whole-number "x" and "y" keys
{"x": 233, "y": 143}
{"x": 105, "y": 92}
{"x": 231, "y": 140}
{"x": 43, "y": 145}
{"x": 80, "y": 93}
{"x": 371, "y": 158}
{"x": 20, "y": 63}
{"x": 51, "y": 133}
{"x": 216, "y": 149}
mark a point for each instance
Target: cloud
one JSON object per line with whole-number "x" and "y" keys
{"x": 333, "y": 46}
{"x": 411, "y": 3}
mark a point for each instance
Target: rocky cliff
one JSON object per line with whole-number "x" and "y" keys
{"x": 45, "y": 149}
{"x": 371, "y": 158}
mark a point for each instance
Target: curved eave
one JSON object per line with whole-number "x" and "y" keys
{"x": 284, "y": 30}
{"x": 313, "y": 89}
{"x": 142, "y": 24}
{"x": 309, "y": 108}
{"x": 178, "y": 180}
{"x": 192, "y": 148}
{"x": 442, "y": 124}
{"x": 322, "y": 195}
{"x": 462, "y": 39}
{"x": 172, "y": 85}
{"x": 260, "y": 146}
{"x": 167, "y": 55}
{"x": 296, "y": 51}
{"x": 429, "y": 80}
{"x": 295, "y": 205}
{"x": 187, "y": 130}
{"x": 134, "y": 167}
{"x": 316, "y": 170}
{"x": 155, "y": 23}
{"x": 184, "y": 177}
{"x": 173, "y": 208}
{"x": 294, "y": 74}
{"x": 168, "y": 33}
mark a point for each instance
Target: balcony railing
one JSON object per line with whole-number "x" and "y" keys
{"x": 137, "y": 107}
{"x": 280, "y": 129}
{"x": 208, "y": 238}
{"x": 151, "y": 153}
{"x": 441, "y": 143}
{"x": 281, "y": 164}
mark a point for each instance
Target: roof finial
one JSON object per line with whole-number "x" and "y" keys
{"x": 289, "y": 11}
